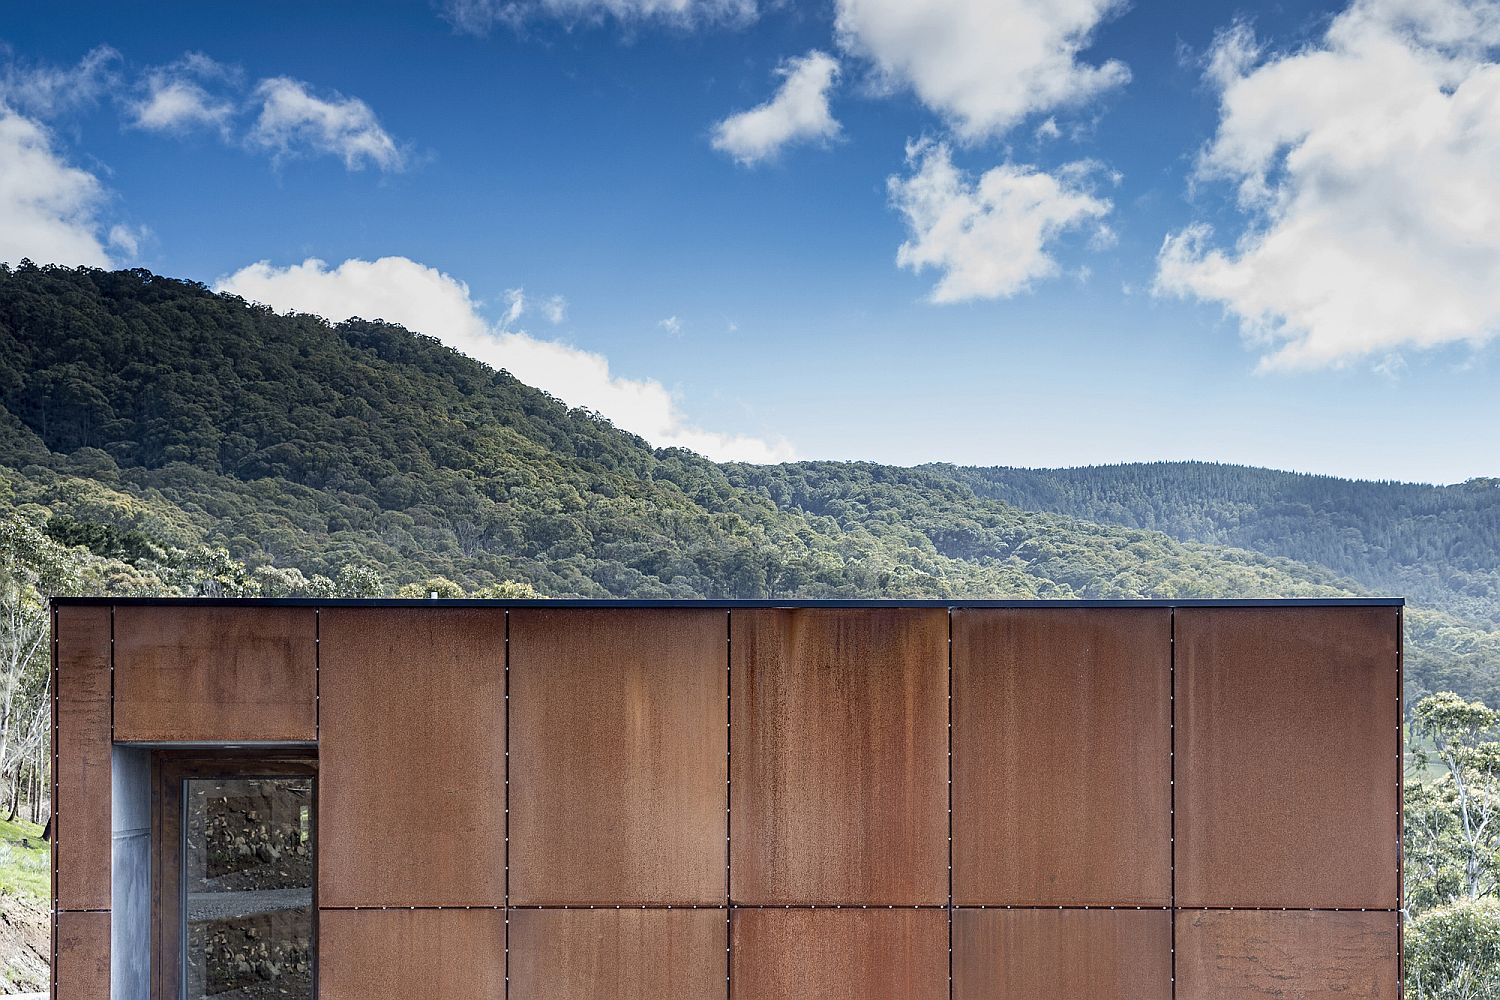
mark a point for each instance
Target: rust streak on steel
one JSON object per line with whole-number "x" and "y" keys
{"x": 609, "y": 954}
{"x": 618, "y": 756}
{"x": 400, "y": 954}
{"x": 411, "y": 785}
{"x": 1062, "y": 757}
{"x": 215, "y": 674}
{"x": 1282, "y": 716}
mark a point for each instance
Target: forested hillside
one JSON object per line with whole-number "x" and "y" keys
{"x": 1439, "y": 545}
{"x": 289, "y": 441}
{"x": 188, "y": 441}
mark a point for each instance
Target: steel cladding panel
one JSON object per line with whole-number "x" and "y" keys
{"x": 1062, "y": 954}
{"x": 618, "y": 756}
{"x": 624, "y": 954}
{"x": 83, "y": 843}
{"x": 839, "y": 762}
{"x": 834, "y": 727}
{"x": 82, "y": 970}
{"x": 1062, "y": 756}
{"x": 1288, "y": 776}
{"x": 204, "y": 674}
{"x": 411, "y": 786}
{"x": 1287, "y": 955}
{"x": 849, "y": 953}
{"x": 405, "y": 954}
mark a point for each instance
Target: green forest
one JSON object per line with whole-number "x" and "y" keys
{"x": 1437, "y": 545}
{"x": 159, "y": 438}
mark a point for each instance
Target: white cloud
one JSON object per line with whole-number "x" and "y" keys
{"x": 1367, "y": 168}
{"x": 515, "y": 306}
{"x": 177, "y": 97}
{"x": 289, "y": 119}
{"x": 48, "y": 208}
{"x": 672, "y": 326}
{"x": 990, "y": 238}
{"x": 179, "y": 104}
{"x": 555, "y": 309}
{"x": 293, "y": 120}
{"x": 46, "y": 91}
{"x": 1234, "y": 51}
{"x": 479, "y": 17}
{"x": 984, "y": 64}
{"x": 799, "y": 111}
{"x": 422, "y": 298}
{"x": 128, "y": 239}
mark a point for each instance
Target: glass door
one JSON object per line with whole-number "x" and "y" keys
{"x": 236, "y": 876}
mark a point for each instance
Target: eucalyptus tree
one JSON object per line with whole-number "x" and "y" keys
{"x": 1466, "y": 738}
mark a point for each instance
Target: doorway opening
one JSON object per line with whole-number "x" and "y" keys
{"x": 237, "y": 877}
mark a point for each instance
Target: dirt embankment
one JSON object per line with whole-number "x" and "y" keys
{"x": 25, "y": 944}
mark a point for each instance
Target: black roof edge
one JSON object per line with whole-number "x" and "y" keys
{"x": 384, "y": 602}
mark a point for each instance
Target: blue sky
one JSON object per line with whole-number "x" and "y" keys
{"x": 563, "y": 187}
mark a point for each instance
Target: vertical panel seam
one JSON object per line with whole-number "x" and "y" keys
{"x": 109, "y": 835}
{"x": 1400, "y": 802}
{"x": 950, "y": 805}
{"x": 317, "y": 674}
{"x": 728, "y": 804}
{"x": 317, "y": 913}
{"x": 56, "y": 827}
{"x": 1172, "y": 782}
{"x": 505, "y": 984}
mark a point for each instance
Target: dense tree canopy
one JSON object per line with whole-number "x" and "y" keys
{"x": 1439, "y": 545}
{"x": 182, "y": 435}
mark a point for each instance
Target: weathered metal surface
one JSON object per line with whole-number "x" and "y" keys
{"x": 1287, "y": 757}
{"x": 404, "y": 954}
{"x": 1062, "y": 954}
{"x": 215, "y": 674}
{"x": 82, "y": 971}
{"x": 1287, "y": 955}
{"x": 852, "y": 954}
{"x": 839, "y": 756}
{"x": 1062, "y": 743}
{"x": 618, "y": 756}
{"x": 1286, "y": 768}
{"x": 610, "y": 954}
{"x": 411, "y": 794}
{"x": 83, "y": 842}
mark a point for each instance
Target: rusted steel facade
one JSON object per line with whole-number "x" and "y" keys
{"x": 775, "y": 801}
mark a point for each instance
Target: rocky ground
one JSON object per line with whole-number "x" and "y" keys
{"x": 25, "y": 944}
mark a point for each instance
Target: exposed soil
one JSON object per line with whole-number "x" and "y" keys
{"x": 25, "y": 944}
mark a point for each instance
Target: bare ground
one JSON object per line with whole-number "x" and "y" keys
{"x": 25, "y": 944}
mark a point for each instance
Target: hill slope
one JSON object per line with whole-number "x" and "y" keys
{"x": 143, "y": 416}
{"x": 291, "y": 441}
{"x": 1439, "y": 545}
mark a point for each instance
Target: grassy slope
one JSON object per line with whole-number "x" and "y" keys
{"x": 25, "y": 888}
{"x": 25, "y": 860}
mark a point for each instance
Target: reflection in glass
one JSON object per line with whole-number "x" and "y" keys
{"x": 247, "y": 889}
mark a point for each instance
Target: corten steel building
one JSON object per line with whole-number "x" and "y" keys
{"x": 554, "y": 800}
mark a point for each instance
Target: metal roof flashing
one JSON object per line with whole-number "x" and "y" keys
{"x": 383, "y": 602}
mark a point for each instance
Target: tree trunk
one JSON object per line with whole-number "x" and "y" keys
{"x": 15, "y": 796}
